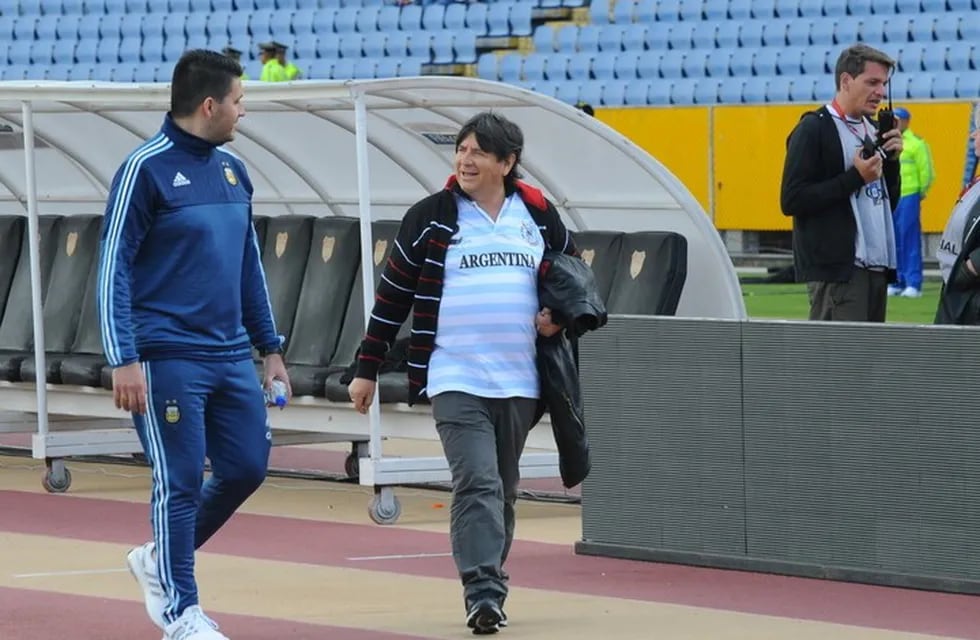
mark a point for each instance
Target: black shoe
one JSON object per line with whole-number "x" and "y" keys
{"x": 484, "y": 617}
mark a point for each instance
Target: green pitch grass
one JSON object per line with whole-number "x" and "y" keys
{"x": 789, "y": 302}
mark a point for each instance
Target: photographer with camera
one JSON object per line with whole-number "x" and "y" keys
{"x": 840, "y": 185}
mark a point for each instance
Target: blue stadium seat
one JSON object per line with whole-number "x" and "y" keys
{"x": 568, "y": 92}
{"x": 67, "y": 29}
{"x": 174, "y": 25}
{"x": 934, "y": 58}
{"x": 63, "y": 52}
{"x": 590, "y": 91}
{"x": 173, "y": 48}
{"x": 129, "y": 50}
{"x": 789, "y": 61}
{"x": 740, "y": 64}
{"x": 556, "y": 67}
{"x": 565, "y": 39}
{"x": 374, "y": 44}
{"x": 419, "y": 44}
{"x": 486, "y": 66}
{"x": 846, "y": 32}
{"x": 787, "y": 9}
{"x": 129, "y": 6}
{"x": 387, "y": 68}
{"x": 944, "y": 85}
{"x": 130, "y": 24}
{"x": 19, "y": 52}
{"x": 634, "y": 37}
{"x": 281, "y": 24}
{"x": 24, "y": 27}
{"x": 750, "y": 34}
{"x": 859, "y": 8}
{"x": 636, "y": 93}
{"x": 342, "y": 69}
{"x": 763, "y": 9}
{"x": 920, "y": 85}
{"x": 345, "y": 21}
{"x": 693, "y": 10}
{"x": 933, "y": 6}
{"x": 106, "y": 51}
{"x": 46, "y": 27}
{"x": 774, "y": 33}
{"x": 682, "y": 91}
{"x": 959, "y": 56}
{"x": 968, "y": 85}
{"x": 351, "y": 45}
{"x": 658, "y": 92}
{"x": 907, "y": 7}
{"x": 715, "y": 10}
{"x": 455, "y": 16}
{"x": 103, "y": 72}
{"x": 42, "y": 52}
{"x": 410, "y": 18}
{"x": 897, "y": 29}
{"x": 947, "y": 26}
{"x": 301, "y": 21}
{"x": 15, "y": 72}
{"x": 764, "y": 62}
{"x": 599, "y": 12}
{"x": 872, "y": 29}
{"x": 682, "y": 35}
{"x": 93, "y": 7}
{"x": 707, "y": 91}
{"x": 672, "y": 64}
{"x": 623, "y": 11}
{"x": 367, "y": 19}
{"x": 730, "y": 90}
{"x": 328, "y": 46}
{"x": 588, "y": 38}
{"x": 696, "y": 64}
{"x": 152, "y": 50}
{"x": 739, "y": 9}
{"x": 320, "y": 69}
{"x": 520, "y": 19}
{"x": 798, "y": 33}
{"x": 883, "y": 7}
{"x": 580, "y": 66}
{"x": 85, "y": 51}
{"x": 815, "y": 61}
{"x": 387, "y": 19}
{"x": 160, "y": 6}
{"x": 923, "y": 28}
{"x": 625, "y": 66}
{"x": 778, "y": 89}
{"x": 58, "y": 71}
{"x": 218, "y": 24}
{"x": 648, "y": 65}
{"x": 122, "y": 73}
{"x": 718, "y": 63}
{"x": 704, "y": 36}
{"x": 970, "y": 30}
{"x": 803, "y": 89}
{"x": 603, "y": 65}
{"x": 178, "y": 6}
{"x": 365, "y": 68}
{"x": 544, "y": 38}
{"x": 657, "y": 11}
{"x": 432, "y": 17}
{"x": 613, "y": 93}
{"x": 411, "y": 66}
{"x": 963, "y": 5}
{"x": 910, "y": 58}
{"x": 442, "y": 47}
{"x": 305, "y": 46}
{"x": 533, "y": 68}
{"x": 260, "y": 25}
{"x": 656, "y": 36}
{"x": 822, "y": 31}
{"x": 726, "y": 36}
{"x": 476, "y": 18}
{"x": 811, "y": 8}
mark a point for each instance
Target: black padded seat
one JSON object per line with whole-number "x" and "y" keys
{"x": 650, "y": 275}
{"x": 11, "y": 237}
{"x": 383, "y": 233}
{"x": 284, "y": 253}
{"x": 260, "y": 223}
{"x": 392, "y": 387}
{"x": 17, "y": 326}
{"x": 86, "y": 360}
{"x": 333, "y": 263}
{"x": 600, "y": 250}
{"x": 71, "y": 271}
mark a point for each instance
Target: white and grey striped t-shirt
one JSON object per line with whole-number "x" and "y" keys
{"x": 485, "y": 335}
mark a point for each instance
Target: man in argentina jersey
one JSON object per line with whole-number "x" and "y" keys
{"x": 466, "y": 262}
{"x": 182, "y": 299}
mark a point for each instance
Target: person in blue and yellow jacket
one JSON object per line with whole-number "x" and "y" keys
{"x": 918, "y": 174}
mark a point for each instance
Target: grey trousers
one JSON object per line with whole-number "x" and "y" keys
{"x": 862, "y": 299}
{"x": 483, "y": 439}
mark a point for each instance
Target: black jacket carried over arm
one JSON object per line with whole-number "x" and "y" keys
{"x": 816, "y": 191}
{"x": 567, "y": 286}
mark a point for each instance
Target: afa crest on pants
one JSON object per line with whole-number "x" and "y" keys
{"x": 171, "y": 412}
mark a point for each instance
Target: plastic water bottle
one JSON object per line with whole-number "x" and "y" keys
{"x": 275, "y": 395}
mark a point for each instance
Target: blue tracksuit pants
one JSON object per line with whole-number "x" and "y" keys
{"x": 908, "y": 241}
{"x": 197, "y": 409}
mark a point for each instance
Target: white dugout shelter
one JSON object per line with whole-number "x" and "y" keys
{"x": 366, "y": 149}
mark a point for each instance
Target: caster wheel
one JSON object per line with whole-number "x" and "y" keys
{"x": 352, "y": 466}
{"x": 384, "y": 511}
{"x": 56, "y": 482}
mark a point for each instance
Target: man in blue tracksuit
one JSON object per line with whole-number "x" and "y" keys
{"x": 182, "y": 299}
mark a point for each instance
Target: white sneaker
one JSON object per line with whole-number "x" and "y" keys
{"x": 192, "y": 625}
{"x": 143, "y": 566}
{"x": 894, "y": 291}
{"x": 911, "y": 292}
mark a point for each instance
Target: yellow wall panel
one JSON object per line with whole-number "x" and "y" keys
{"x": 677, "y": 137}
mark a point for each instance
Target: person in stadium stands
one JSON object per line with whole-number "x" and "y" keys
{"x": 272, "y": 71}
{"x": 235, "y": 55}
{"x": 468, "y": 257}
{"x": 840, "y": 187}
{"x": 182, "y": 299}
{"x": 290, "y": 70}
{"x": 918, "y": 173}
{"x": 959, "y": 252}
